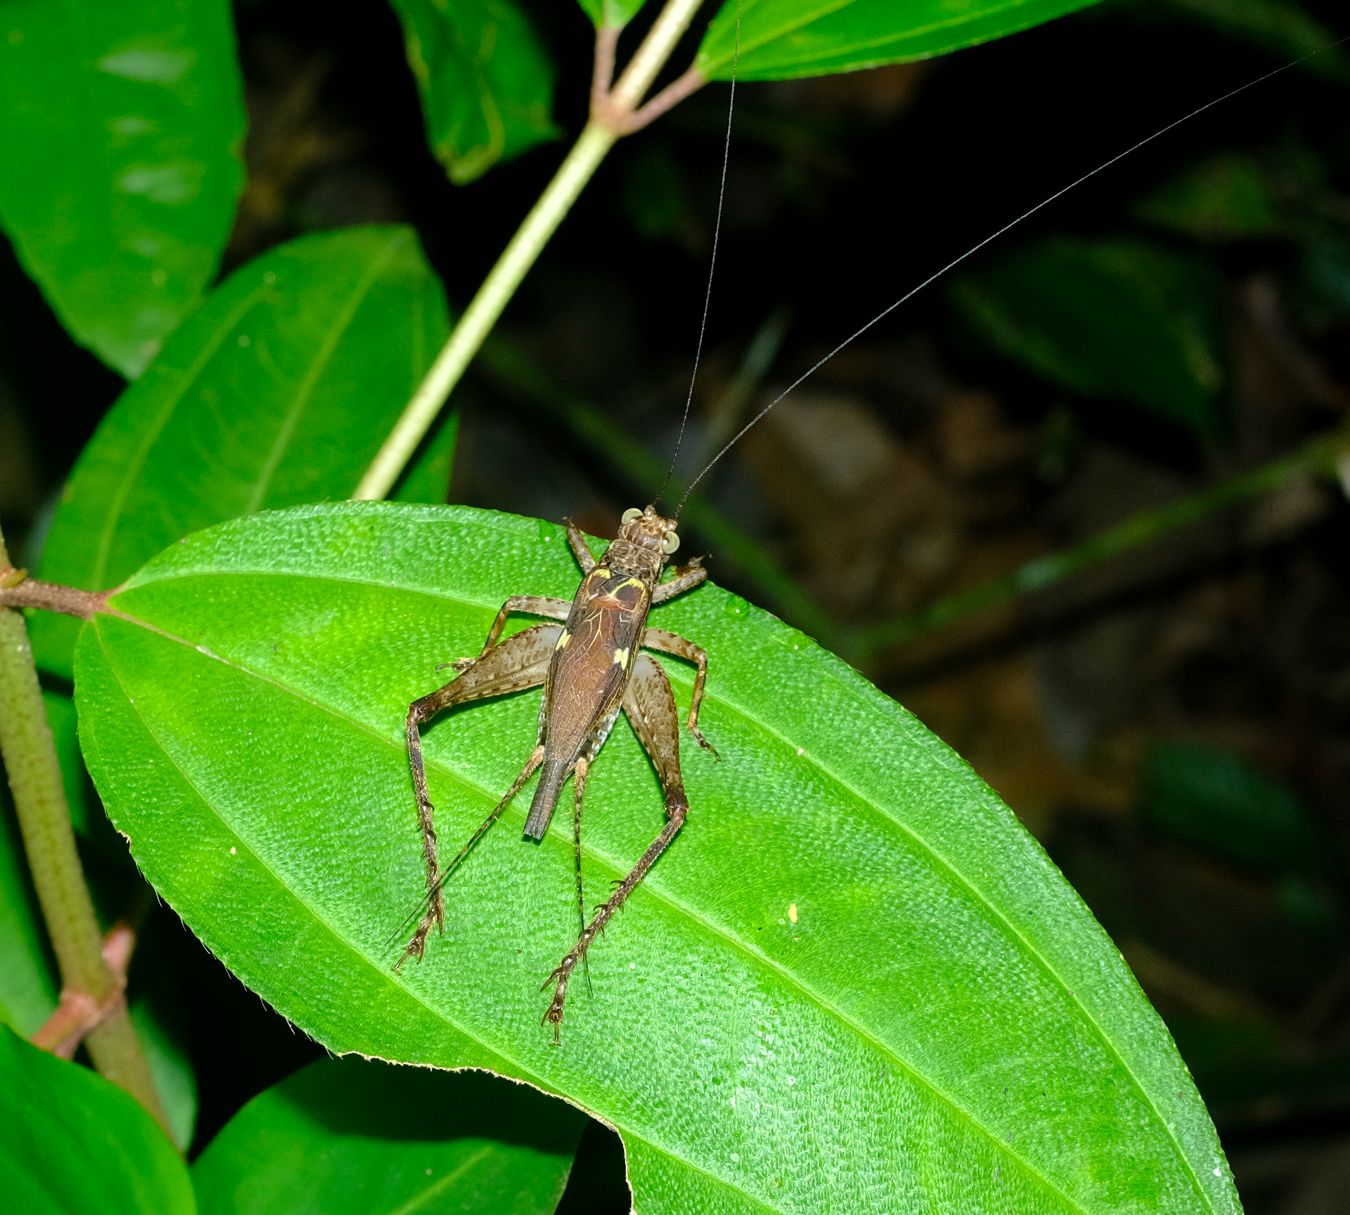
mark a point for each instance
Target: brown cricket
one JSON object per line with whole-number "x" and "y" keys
{"x": 592, "y": 667}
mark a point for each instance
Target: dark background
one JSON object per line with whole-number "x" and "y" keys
{"x": 1173, "y": 724}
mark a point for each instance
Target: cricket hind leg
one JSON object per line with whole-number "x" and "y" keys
{"x": 434, "y": 914}
{"x": 650, "y": 706}
{"x": 519, "y": 662}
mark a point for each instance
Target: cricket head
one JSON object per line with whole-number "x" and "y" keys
{"x": 651, "y": 536}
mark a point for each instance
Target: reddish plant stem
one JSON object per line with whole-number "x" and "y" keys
{"x": 78, "y": 1013}
{"x": 17, "y": 590}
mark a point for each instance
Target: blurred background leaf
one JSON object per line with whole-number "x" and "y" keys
{"x": 485, "y": 79}
{"x": 1107, "y": 319}
{"x": 76, "y": 1142}
{"x": 119, "y": 169}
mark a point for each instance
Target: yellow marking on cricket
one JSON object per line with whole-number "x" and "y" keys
{"x": 563, "y": 638}
{"x": 637, "y": 582}
{"x": 621, "y": 657}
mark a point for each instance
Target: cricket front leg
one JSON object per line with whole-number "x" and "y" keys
{"x": 686, "y": 578}
{"x": 580, "y": 549}
{"x": 681, "y": 647}
{"x": 650, "y": 707}
{"x": 519, "y": 662}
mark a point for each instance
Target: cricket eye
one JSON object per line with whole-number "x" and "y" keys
{"x": 669, "y": 543}
{"x": 630, "y": 514}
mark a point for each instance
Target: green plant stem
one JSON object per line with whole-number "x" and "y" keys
{"x": 49, "y": 843}
{"x": 608, "y": 123}
{"x": 1318, "y": 456}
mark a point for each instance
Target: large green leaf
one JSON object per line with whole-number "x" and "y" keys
{"x": 277, "y": 390}
{"x": 345, "y": 1135}
{"x": 485, "y": 79}
{"x": 853, "y": 983}
{"x": 75, "y": 1142}
{"x": 119, "y": 166}
{"x": 781, "y": 39}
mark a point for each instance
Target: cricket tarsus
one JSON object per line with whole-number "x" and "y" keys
{"x": 592, "y": 668}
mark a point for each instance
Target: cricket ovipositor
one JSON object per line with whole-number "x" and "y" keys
{"x": 590, "y": 665}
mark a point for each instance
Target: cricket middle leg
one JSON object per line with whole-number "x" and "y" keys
{"x": 667, "y": 642}
{"x": 519, "y": 662}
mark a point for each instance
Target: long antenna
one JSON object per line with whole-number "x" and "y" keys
{"x": 712, "y": 261}
{"x": 993, "y": 236}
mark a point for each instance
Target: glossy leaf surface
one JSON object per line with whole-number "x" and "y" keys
{"x": 853, "y": 983}
{"x": 74, "y": 1141}
{"x": 119, "y": 166}
{"x": 485, "y": 80}
{"x": 782, "y": 39}
{"x": 279, "y": 389}
{"x": 343, "y": 1135}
